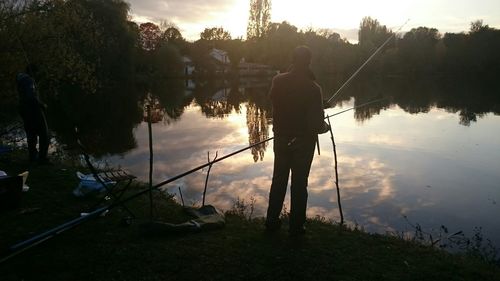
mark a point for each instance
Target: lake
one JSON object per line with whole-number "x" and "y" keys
{"x": 428, "y": 154}
{"x": 434, "y": 163}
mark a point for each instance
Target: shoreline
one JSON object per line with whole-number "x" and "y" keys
{"x": 102, "y": 249}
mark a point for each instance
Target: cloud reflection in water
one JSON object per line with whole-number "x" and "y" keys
{"x": 385, "y": 171}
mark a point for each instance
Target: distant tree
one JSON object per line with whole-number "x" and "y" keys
{"x": 477, "y": 26}
{"x": 456, "y": 48}
{"x": 172, "y": 34}
{"x": 166, "y": 61}
{"x": 418, "y": 48}
{"x": 199, "y": 53}
{"x": 149, "y": 35}
{"x": 372, "y": 33}
{"x": 483, "y": 46}
{"x": 235, "y": 51}
{"x": 215, "y": 34}
{"x": 259, "y": 19}
{"x": 280, "y": 41}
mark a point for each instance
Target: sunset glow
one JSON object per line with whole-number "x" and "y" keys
{"x": 341, "y": 16}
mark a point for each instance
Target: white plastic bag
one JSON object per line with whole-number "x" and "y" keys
{"x": 88, "y": 184}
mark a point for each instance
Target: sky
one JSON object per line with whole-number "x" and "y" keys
{"x": 192, "y": 16}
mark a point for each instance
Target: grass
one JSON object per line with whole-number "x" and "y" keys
{"x": 104, "y": 249}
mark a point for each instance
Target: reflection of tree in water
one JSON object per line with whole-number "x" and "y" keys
{"x": 258, "y": 118}
{"x": 105, "y": 119}
{"x": 217, "y": 105}
{"x": 258, "y": 129}
{"x": 466, "y": 117}
{"x": 157, "y": 111}
{"x": 470, "y": 97}
{"x": 364, "y": 93}
{"x": 218, "y": 101}
{"x": 172, "y": 97}
{"x": 235, "y": 98}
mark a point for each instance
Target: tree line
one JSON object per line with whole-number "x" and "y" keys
{"x": 92, "y": 46}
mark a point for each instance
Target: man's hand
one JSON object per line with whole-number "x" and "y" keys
{"x": 326, "y": 104}
{"x": 325, "y": 128}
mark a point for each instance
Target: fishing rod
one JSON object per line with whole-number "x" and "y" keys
{"x": 366, "y": 62}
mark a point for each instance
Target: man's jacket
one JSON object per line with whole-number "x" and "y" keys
{"x": 297, "y": 105}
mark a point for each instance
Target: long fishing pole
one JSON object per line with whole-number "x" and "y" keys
{"x": 22, "y": 246}
{"x": 365, "y": 63}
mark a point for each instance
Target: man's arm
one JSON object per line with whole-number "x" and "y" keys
{"x": 30, "y": 94}
{"x": 316, "y": 114}
{"x": 274, "y": 88}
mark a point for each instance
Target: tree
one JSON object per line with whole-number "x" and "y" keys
{"x": 279, "y": 43}
{"x": 80, "y": 45}
{"x": 259, "y": 19}
{"x": 149, "y": 36}
{"x": 372, "y": 33}
{"x": 483, "y": 46}
{"x": 418, "y": 48}
{"x": 477, "y": 26}
{"x": 215, "y": 34}
{"x": 172, "y": 34}
{"x": 235, "y": 52}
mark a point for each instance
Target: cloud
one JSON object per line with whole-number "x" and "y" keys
{"x": 188, "y": 11}
{"x": 191, "y": 16}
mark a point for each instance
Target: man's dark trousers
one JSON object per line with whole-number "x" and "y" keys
{"x": 35, "y": 126}
{"x": 290, "y": 154}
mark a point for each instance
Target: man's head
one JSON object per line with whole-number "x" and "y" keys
{"x": 301, "y": 56}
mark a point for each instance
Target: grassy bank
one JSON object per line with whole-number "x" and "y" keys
{"x": 104, "y": 249}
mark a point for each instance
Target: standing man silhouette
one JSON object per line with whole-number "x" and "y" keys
{"x": 32, "y": 113}
{"x": 298, "y": 117}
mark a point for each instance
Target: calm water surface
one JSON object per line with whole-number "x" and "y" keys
{"x": 429, "y": 165}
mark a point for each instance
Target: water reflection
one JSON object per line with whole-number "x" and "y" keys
{"x": 171, "y": 97}
{"x": 105, "y": 121}
{"x": 258, "y": 129}
{"x": 429, "y": 151}
{"x": 470, "y": 97}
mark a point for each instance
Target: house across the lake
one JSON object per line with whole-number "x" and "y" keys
{"x": 222, "y": 66}
{"x": 255, "y": 69}
{"x": 188, "y": 66}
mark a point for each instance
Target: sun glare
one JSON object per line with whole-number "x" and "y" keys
{"x": 338, "y": 14}
{"x": 235, "y": 20}
{"x": 343, "y": 17}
